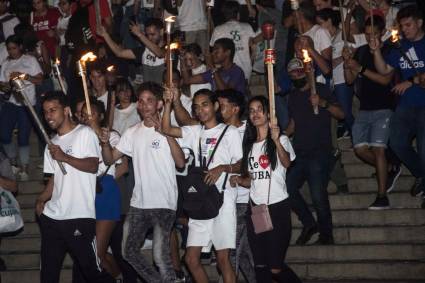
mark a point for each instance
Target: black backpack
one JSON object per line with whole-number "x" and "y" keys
{"x": 201, "y": 201}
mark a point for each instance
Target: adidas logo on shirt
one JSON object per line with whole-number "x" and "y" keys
{"x": 411, "y": 54}
{"x": 192, "y": 190}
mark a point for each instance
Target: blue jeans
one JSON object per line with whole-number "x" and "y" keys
{"x": 406, "y": 124}
{"x": 344, "y": 95}
{"x": 11, "y": 116}
{"x": 313, "y": 168}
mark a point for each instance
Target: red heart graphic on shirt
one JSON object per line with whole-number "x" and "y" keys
{"x": 264, "y": 161}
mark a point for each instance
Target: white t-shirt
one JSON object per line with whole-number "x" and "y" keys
{"x": 322, "y": 40}
{"x": 125, "y": 118}
{"x": 337, "y": 46}
{"x": 26, "y": 64}
{"x": 258, "y": 65}
{"x": 113, "y": 141}
{"x": 8, "y": 26}
{"x": 104, "y": 99}
{"x": 192, "y": 16}
{"x": 229, "y": 150}
{"x": 187, "y": 104}
{"x": 260, "y": 168}
{"x": 154, "y": 168}
{"x": 195, "y": 87}
{"x": 240, "y": 33}
{"x": 150, "y": 59}
{"x": 243, "y": 193}
{"x": 74, "y": 193}
{"x": 63, "y": 25}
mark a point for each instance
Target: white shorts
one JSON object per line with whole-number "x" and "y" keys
{"x": 219, "y": 231}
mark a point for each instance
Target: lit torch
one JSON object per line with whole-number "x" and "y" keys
{"x": 110, "y": 81}
{"x": 19, "y": 86}
{"x": 267, "y": 29}
{"x": 57, "y": 72}
{"x": 308, "y": 67}
{"x": 82, "y": 71}
{"x": 169, "y": 63}
{"x": 395, "y": 38}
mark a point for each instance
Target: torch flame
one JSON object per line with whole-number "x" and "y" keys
{"x": 174, "y": 45}
{"x": 88, "y": 57}
{"x": 306, "y": 56}
{"x": 170, "y": 19}
{"x": 110, "y": 68}
{"x": 21, "y": 77}
{"x": 57, "y": 62}
{"x": 394, "y": 35}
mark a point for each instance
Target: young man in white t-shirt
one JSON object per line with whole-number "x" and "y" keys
{"x": 241, "y": 34}
{"x": 192, "y": 20}
{"x": 154, "y": 200}
{"x": 66, "y": 208}
{"x": 150, "y": 54}
{"x": 232, "y": 107}
{"x": 221, "y": 230}
{"x": 316, "y": 40}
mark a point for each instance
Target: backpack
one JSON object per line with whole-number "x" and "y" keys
{"x": 201, "y": 201}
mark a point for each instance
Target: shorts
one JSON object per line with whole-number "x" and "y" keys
{"x": 219, "y": 231}
{"x": 372, "y": 128}
{"x": 108, "y": 202}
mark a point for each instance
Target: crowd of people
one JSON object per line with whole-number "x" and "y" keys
{"x": 135, "y": 144}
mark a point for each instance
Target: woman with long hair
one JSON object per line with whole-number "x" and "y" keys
{"x": 108, "y": 198}
{"x": 266, "y": 156}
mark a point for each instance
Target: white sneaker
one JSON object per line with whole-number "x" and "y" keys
{"x": 147, "y": 245}
{"x": 23, "y": 176}
{"x": 15, "y": 169}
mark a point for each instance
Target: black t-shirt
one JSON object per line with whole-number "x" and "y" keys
{"x": 372, "y": 95}
{"x": 78, "y": 36}
{"x": 312, "y": 132}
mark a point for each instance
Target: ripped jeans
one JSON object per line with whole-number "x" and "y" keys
{"x": 140, "y": 221}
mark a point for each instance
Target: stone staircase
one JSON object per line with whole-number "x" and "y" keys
{"x": 371, "y": 246}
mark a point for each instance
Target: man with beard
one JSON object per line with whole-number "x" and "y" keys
{"x": 66, "y": 208}
{"x": 313, "y": 146}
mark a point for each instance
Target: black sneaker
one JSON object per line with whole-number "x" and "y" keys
{"x": 306, "y": 235}
{"x": 380, "y": 203}
{"x": 417, "y": 188}
{"x": 342, "y": 189}
{"x": 392, "y": 177}
{"x": 325, "y": 241}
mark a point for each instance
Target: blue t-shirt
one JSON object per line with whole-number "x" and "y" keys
{"x": 415, "y": 51}
{"x": 233, "y": 76}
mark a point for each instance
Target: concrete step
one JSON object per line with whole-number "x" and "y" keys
{"x": 390, "y": 271}
{"x": 342, "y": 235}
{"x": 363, "y": 170}
{"x": 359, "y": 218}
{"x": 362, "y": 201}
{"x": 368, "y": 251}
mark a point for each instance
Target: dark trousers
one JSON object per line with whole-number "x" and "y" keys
{"x": 75, "y": 236}
{"x": 269, "y": 248}
{"x": 313, "y": 168}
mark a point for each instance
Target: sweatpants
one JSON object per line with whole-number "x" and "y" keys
{"x": 76, "y": 237}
